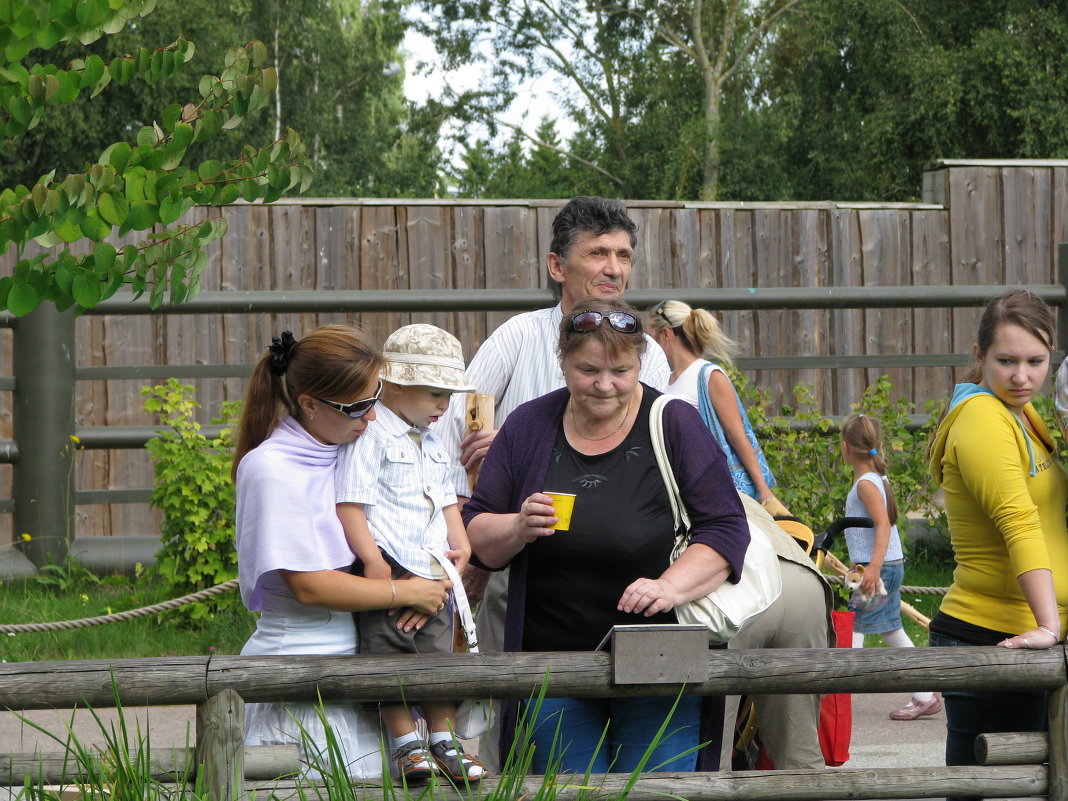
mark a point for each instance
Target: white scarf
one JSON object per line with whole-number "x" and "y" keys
{"x": 286, "y": 516}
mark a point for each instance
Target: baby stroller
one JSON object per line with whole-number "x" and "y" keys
{"x": 835, "y": 709}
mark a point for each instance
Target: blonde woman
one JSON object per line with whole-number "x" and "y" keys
{"x": 698, "y": 350}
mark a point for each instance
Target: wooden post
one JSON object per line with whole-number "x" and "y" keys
{"x": 220, "y": 746}
{"x": 1058, "y": 743}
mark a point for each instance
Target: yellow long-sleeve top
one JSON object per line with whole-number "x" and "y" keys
{"x": 1005, "y": 501}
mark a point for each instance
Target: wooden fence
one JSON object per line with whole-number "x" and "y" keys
{"x": 1015, "y": 766}
{"x": 987, "y": 223}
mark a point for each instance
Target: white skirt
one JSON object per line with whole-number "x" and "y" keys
{"x": 356, "y": 732}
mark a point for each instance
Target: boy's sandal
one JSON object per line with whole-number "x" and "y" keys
{"x": 456, "y": 764}
{"x": 415, "y": 763}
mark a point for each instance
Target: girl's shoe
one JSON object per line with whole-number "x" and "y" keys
{"x": 456, "y": 764}
{"x": 913, "y": 710}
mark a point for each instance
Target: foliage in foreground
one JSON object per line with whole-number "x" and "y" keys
{"x": 133, "y": 186}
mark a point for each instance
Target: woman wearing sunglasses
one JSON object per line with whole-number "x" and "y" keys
{"x": 611, "y": 566}
{"x": 304, "y": 399}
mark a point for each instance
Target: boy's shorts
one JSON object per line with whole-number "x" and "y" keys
{"x": 378, "y": 632}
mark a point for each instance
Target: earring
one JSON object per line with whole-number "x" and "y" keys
{"x": 311, "y": 416}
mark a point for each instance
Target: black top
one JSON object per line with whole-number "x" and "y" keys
{"x": 621, "y": 530}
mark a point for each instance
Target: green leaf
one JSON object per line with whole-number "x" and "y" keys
{"x": 227, "y": 195}
{"x": 93, "y": 71}
{"x": 181, "y": 138}
{"x": 209, "y": 170}
{"x": 173, "y": 208}
{"x": 86, "y": 289}
{"x": 117, "y": 155}
{"x": 141, "y": 217}
{"x": 103, "y": 257}
{"x": 22, "y": 299}
{"x": 171, "y": 115}
{"x": 50, "y": 35}
{"x": 146, "y": 137}
{"x": 113, "y": 208}
{"x": 95, "y": 228}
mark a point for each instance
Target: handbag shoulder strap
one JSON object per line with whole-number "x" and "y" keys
{"x": 656, "y": 433}
{"x": 467, "y": 620}
{"x": 708, "y": 412}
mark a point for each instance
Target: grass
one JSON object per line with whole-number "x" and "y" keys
{"x": 166, "y": 634}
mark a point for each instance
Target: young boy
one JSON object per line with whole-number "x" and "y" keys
{"x": 395, "y": 500}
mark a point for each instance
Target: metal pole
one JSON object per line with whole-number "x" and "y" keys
{"x": 43, "y": 412}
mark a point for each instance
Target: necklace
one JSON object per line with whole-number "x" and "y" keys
{"x": 574, "y": 422}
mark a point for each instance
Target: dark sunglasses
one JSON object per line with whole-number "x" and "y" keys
{"x": 356, "y": 409}
{"x": 586, "y": 321}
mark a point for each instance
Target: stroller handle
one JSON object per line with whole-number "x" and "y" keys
{"x": 836, "y": 527}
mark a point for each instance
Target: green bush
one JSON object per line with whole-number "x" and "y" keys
{"x": 801, "y": 446}
{"x": 194, "y": 491}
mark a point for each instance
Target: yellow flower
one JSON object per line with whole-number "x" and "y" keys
{"x": 26, "y": 537}
{"x": 75, "y": 439}
{"x": 85, "y": 598}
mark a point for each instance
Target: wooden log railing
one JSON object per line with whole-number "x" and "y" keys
{"x": 220, "y": 685}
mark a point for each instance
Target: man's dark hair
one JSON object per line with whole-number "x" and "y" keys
{"x": 596, "y": 215}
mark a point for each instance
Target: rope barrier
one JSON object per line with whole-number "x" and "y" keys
{"x": 226, "y": 586}
{"x": 905, "y": 590}
{"x": 85, "y": 622}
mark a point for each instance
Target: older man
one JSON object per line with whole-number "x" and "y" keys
{"x": 591, "y": 253}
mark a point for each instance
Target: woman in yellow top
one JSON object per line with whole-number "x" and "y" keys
{"x": 1005, "y": 500}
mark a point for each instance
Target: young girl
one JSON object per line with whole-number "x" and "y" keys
{"x": 876, "y": 552}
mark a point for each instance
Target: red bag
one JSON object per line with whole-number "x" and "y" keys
{"x": 836, "y": 709}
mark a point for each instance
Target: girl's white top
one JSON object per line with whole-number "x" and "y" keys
{"x": 685, "y": 386}
{"x": 861, "y": 541}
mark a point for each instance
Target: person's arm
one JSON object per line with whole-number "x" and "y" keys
{"x": 1037, "y": 587}
{"x": 872, "y": 498}
{"x": 497, "y": 538}
{"x": 696, "y": 572}
{"x": 725, "y": 403}
{"x": 344, "y": 592}
{"x": 459, "y": 546}
{"x": 990, "y": 460}
{"x": 359, "y": 537}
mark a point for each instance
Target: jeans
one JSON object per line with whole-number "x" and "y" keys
{"x": 567, "y": 734}
{"x": 969, "y": 714}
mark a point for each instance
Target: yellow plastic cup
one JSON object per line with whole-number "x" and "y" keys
{"x": 563, "y": 505}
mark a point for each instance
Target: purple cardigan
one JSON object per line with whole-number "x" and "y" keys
{"x": 518, "y": 461}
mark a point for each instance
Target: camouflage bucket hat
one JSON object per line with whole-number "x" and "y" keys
{"x": 423, "y": 355}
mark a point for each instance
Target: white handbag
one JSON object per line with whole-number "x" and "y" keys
{"x": 474, "y": 716}
{"x": 730, "y": 607}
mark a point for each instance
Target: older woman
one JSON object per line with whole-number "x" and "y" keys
{"x": 612, "y": 565}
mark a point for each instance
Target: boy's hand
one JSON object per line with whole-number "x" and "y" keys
{"x": 379, "y": 569}
{"x": 459, "y": 557}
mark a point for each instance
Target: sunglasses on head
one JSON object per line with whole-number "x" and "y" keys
{"x": 586, "y": 321}
{"x": 658, "y": 311}
{"x": 356, "y": 409}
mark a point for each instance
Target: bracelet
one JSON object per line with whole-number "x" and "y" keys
{"x": 1056, "y": 636}
{"x": 392, "y": 594}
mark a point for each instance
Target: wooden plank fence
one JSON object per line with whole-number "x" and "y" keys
{"x": 990, "y": 223}
{"x": 1016, "y": 764}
